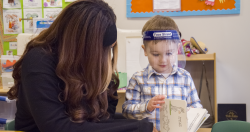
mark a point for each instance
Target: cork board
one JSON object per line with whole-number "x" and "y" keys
{"x": 12, "y": 38}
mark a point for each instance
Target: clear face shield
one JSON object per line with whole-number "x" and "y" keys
{"x": 164, "y": 51}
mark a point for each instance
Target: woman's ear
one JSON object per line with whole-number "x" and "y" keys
{"x": 144, "y": 48}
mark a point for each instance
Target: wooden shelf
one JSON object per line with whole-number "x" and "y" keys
{"x": 200, "y": 57}
{"x": 121, "y": 91}
{"x": 3, "y": 91}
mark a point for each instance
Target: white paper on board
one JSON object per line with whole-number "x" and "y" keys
{"x": 52, "y": 3}
{"x": 30, "y": 13}
{"x": 11, "y": 4}
{"x": 167, "y": 4}
{"x": 11, "y": 22}
{"x": 51, "y": 13}
{"x": 32, "y": 3}
{"x": 69, "y": 0}
{"x": 12, "y": 45}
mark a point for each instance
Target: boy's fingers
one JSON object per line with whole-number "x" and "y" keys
{"x": 159, "y": 97}
{"x": 158, "y": 102}
{"x": 156, "y": 106}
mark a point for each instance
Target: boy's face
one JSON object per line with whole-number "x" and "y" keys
{"x": 161, "y": 56}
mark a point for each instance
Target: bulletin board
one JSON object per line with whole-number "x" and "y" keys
{"x": 144, "y": 8}
{"x": 12, "y": 37}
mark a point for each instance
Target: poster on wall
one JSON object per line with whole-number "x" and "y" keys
{"x": 52, "y": 3}
{"x": 30, "y": 13}
{"x": 167, "y": 5}
{"x": 32, "y": 3}
{"x": 11, "y": 22}
{"x": 10, "y": 48}
{"x": 69, "y": 0}
{"x": 51, "y": 13}
{"x": 11, "y": 4}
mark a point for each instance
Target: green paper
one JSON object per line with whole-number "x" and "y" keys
{"x": 123, "y": 79}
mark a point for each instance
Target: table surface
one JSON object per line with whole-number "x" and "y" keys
{"x": 200, "y": 130}
{"x": 205, "y": 130}
{"x": 4, "y": 91}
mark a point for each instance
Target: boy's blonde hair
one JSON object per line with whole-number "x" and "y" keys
{"x": 159, "y": 23}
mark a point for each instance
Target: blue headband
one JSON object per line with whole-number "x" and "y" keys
{"x": 161, "y": 35}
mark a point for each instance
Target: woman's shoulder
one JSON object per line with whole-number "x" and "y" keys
{"x": 38, "y": 53}
{"x": 38, "y": 59}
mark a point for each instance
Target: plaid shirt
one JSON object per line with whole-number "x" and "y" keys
{"x": 146, "y": 84}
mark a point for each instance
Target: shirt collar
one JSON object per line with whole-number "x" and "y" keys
{"x": 151, "y": 71}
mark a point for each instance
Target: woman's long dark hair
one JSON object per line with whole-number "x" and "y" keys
{"x": 84, "y": 64}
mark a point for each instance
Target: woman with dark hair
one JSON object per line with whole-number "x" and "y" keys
{"x": 62, "y": 81}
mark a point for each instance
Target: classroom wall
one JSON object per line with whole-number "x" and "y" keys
{"x": 225, "y": 35}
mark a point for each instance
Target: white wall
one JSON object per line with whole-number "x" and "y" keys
{"x": 226, "y": 35}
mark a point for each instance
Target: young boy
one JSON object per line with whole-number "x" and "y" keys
{"x": 162, "y": 78}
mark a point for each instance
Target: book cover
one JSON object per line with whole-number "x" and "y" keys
{"x": 231, "y": 112}
{"x": 175, "y": 116}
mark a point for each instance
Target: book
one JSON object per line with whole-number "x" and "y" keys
{"x": 232, "y": 112}
{"x": 175, "y": 116}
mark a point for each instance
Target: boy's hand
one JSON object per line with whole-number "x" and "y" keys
{"x": 153, "y": 103}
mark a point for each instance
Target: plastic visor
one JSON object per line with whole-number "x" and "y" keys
{"x": 164, "y": 51}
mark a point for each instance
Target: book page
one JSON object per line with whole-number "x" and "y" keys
{"x": 173, "y": 116}
{"x": 204, "y": 119}
{"x": 195, "y": 117}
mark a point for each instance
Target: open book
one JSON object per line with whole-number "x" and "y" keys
{"x": 176, "y": 117}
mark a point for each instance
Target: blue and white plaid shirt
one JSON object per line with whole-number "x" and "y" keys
{"x": 146, "y": 84}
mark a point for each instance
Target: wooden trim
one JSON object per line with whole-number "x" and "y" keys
{"x": 204, "y": 130}
{"x": 215, "y": 91}
{"x": 3, "y": 91}
{"x": 199, "y": 57}
{"x": 121, "y": 91}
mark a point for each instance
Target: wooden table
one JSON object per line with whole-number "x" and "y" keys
{"x": 4, "y": 91}
{"x": 205, "y": 130}
{"x": 200, "y": 130}
{"x": 9, "y": 131}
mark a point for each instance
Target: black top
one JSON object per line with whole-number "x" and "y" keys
{"x": 38, "y": 107}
